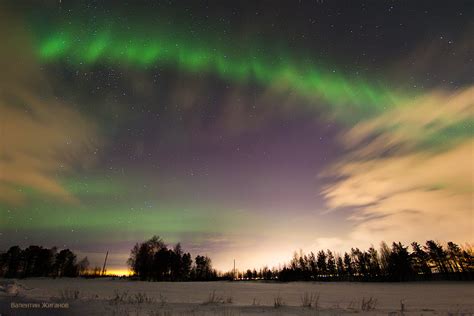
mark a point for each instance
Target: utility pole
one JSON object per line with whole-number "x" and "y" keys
{"x": 234, "y": 270}
{"x": 105, "y": 262}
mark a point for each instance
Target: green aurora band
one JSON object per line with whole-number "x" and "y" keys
{"x": 350, "y": 98}
{"x": 116, "y": 212}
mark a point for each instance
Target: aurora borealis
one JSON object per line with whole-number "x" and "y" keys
{"x": 141, "y": 47}
{"x": 244, "y": 130}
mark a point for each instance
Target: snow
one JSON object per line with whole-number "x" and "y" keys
{"x": 123, "y": 297}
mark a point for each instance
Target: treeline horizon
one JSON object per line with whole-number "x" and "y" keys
{"x": 397, "y": 263}
{"x": 38, "y": 261}
{"x": 153, "y": 260}
{"x": 150, "y": 261}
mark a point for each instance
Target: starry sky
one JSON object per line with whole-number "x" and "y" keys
{"x": 244, "y": 130}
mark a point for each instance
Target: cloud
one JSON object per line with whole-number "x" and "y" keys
{"x": 409, "y": 175}
{"x": 40, "y": 137}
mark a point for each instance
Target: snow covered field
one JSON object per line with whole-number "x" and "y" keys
{"x": 122, "y": 297}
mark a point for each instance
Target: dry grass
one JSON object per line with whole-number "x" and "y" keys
{"x": 402, "y": 306}
{"x": 160, "y": 313}
{"x": 278, "y": 301}
{"x": 163, "y": 300}
{"x": 213, "y": 299}
{"x": 368, "y": 304}
{"x": 125, "y": 298}
{"x": 351, "y": 305}
{"x": 141, "y": 298}
{"x": 119, "y": 297}
{"x": 69, "y": 294}
{"x": 255, "y": 302}
{"x": 310, "y": 300}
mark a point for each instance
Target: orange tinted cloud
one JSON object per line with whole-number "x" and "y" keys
{"x": 40, "y": 137}
{"x": 401, "y": 188}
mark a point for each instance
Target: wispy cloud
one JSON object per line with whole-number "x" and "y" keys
{"x": 409, "y": 175}
{"x": 40, "y": 137}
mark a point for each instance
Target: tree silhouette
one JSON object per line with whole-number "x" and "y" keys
{"x": 13, "y": 259}
{"x": 341, "y": 271}
{"x": 331, "y": 263}
{"x": 65, "y": 264}
{"x": 203, "y": 268}
{"x": 420, "y": 260}
{"x": 437, "y": 255}
{"x": 161, "y": 267}
{"x": 387, "y": 264}
{"x": 348, "y": 266}
{"x": 153, "y": 260}
{"x": 373, "y": 262}
{"x": 321, "y": 263}
{"x": 313, "y": 267}
{"x": 360, "y": 262}
{"x": 455, "y": 256}
{"x": 384, "y": 258}
{"x": 83, "y": 266}
{"x": 142, "y": 257}
{"x": 399, "y": 264}
{"x": 187, "y": 263}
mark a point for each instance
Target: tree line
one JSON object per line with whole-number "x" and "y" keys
{"x": 36, "y": 261}
{"x": 152, "y": 260}
{"x": 396, "y": 263}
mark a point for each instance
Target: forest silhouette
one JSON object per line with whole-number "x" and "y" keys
{"x": 153, "y": 260}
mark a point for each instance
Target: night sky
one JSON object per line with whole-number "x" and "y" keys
{"x": 244, "y": 130}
